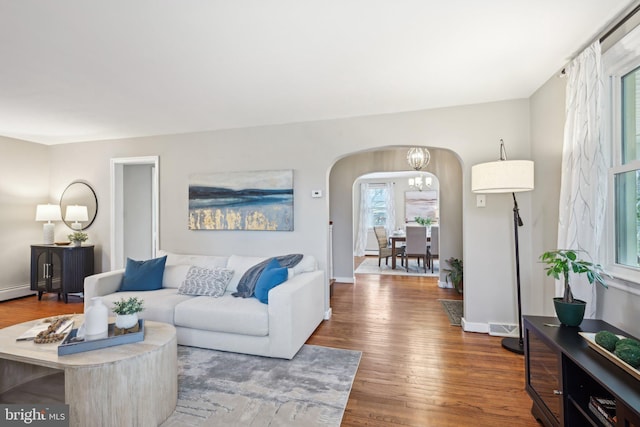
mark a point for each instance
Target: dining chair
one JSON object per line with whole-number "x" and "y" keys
{"x": 416, "y": 245}
{"x": 384, "y": 248}
{"x": 433, "y": 251}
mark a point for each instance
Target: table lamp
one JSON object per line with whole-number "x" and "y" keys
{"x": 77, "y": 214}
{"x": 48, "y": 213}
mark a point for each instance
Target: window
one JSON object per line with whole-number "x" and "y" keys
{"x": 622, "y": 65}
{"x": 626, "y": 175}
{"x": 378, "y": 197}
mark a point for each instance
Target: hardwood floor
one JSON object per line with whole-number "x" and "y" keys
{"x": 29, "y": 308}
{"x": 416, "y": 369}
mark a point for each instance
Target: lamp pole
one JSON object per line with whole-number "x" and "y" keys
{"x": 510, "y": 343}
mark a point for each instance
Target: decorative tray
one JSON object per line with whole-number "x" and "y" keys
{"x": 68, "y": 346}
{"x": 591, "y": 340}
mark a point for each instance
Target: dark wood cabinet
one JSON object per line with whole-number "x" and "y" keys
{"x": 60, "y": 269}
{"x": 563, "y": 373}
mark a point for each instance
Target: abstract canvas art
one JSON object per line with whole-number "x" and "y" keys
{"x": 256, "y": 200}
{"x": 420, "y": 203}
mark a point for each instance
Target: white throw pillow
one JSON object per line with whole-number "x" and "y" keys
{"x": 174, "y": 275}
{"x": 204, "y": 281}
{"x": 204, "y": 261}
{"x": 307, "y": 264}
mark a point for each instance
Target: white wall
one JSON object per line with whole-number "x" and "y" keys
{"x": 24, "y": 183}
{"x": 547, "y": 132}
{"x": 311, "y": 149}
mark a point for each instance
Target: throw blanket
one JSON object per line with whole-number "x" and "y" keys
{"x": 247, "y": 283}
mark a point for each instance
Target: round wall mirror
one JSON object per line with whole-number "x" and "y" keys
{"x": 81, "y": 194}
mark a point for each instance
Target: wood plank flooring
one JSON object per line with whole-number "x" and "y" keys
{"x": 416, "y": 369}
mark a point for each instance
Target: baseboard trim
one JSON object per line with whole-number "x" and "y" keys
{"x": 344, "y": 279}
{"x": 328, "y": 313}
{"x": 15, "y": 292}
{"x": 467, "y": 326}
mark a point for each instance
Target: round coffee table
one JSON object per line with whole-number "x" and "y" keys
{"x": 125, "y": 385}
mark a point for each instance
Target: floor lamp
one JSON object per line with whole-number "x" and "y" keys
{"x": 507, "y": 176}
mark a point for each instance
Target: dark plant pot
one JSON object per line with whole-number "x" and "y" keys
{"x": 570, "y": 314}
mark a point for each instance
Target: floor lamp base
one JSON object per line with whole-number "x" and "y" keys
{"x": 513, "y": 344}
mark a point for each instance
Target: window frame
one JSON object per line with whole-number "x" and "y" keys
{"x": 615, "y": 67}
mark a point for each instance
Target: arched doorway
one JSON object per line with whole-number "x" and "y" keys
{"x": 444, "y": 164}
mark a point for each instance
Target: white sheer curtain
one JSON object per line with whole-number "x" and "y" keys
{"x": 363, "y": 220}
{"x": 583, "y": 191}
{"x": 391, "y": 207}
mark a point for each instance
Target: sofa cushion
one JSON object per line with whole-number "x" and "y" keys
{"x": 143, "y": 275}
{"x": 307, "y": 264}
{"x": 205, "y": 281}
{"x": 271, "y": 276}
{"x": 204, "y": 261}
{"x": 158, "y": 305}
{"x": 246, "y": 316}
{"x": 174, "y": 275}
{"x": 240, "y": 264}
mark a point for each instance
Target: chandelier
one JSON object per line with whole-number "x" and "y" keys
{"x": 418, "y": 183}
{"x": 418, "y": 157}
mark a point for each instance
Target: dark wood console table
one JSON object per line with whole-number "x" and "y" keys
{"x": 562, "y": 373}
{"x": 60, "y": 269}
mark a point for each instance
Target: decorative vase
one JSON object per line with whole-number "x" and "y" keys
{"x": 569, "y": 314}
{"x": 126, "y": 321}
{"x": 77, "y": 243}
{"x": 96, "y": 320}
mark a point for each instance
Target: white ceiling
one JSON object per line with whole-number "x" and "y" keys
{"x": 79, "y": 70}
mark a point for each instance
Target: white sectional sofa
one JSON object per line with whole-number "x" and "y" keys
{"x": 241, "y": 325}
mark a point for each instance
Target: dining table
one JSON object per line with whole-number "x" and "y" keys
{"x": 395, "y": 238}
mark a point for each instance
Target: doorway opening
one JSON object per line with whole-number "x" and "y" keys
{"x": 134, "y": 209}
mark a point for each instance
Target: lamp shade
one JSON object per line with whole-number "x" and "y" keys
{"x": 76, "y": 213}
{"x": 503, "y": 176}
{"x": 48, "y": 213}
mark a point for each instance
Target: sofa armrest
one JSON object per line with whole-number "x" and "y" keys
{"x": 101, "y": 284}
{"x": 296, "y": 308}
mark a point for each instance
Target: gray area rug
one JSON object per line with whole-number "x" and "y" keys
{"x": 217, "y": 388}
{"x": 370, "y": 266}
{"x": 453, "y": 308}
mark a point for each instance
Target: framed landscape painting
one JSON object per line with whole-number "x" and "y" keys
{"x": 420, "y": 203}
{"x": 255, "y": 200}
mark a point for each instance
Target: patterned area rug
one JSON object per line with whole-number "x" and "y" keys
{"x": 454, "y": 309}
{"x": 370, "y": 266}
{"x": 217, "y": 388}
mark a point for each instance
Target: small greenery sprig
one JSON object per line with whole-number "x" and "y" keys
{"x": 128, "y": 306}
{"x": 78, "y": 236}
{"x": 423, "y": 221}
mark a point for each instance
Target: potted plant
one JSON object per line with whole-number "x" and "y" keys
{"x": 455, "y": 273}
{"x": 126, "y": 311}
{"x": 560, "y": 263}
{"x": 78, "y": 237}
{"x": 423, "y": 221}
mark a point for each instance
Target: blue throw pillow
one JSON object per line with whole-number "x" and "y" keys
{"x": 143, "y": 275}
{"x": 271, "y": 276}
